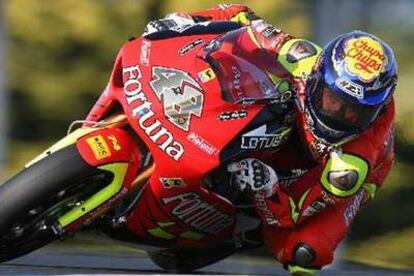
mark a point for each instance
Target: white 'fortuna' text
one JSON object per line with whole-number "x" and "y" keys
{"x": 152, "y": 127}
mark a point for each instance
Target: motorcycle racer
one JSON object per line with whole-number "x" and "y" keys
{"x": 341, "y": 149}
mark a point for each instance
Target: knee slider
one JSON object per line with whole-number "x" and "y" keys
{"x": 303, "y": 255}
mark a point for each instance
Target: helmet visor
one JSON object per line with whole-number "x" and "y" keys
{"x": 339, "y": 113}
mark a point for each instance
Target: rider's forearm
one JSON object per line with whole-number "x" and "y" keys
{"x": 226, "y": 12}
{"x": 381, "y": 170}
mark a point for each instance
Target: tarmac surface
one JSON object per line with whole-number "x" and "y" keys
{"x": 100, "y": 256}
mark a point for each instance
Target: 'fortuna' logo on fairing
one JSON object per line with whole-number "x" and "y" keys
{"x": 192, "y": 210}
{"x": 145, "y": 115}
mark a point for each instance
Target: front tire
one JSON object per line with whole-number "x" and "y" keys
{"x": 33, "y": 200}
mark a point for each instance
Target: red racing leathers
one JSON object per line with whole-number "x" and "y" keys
{"x": 308, "y": 209}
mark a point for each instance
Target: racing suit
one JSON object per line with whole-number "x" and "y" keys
{"x": 316, "y": 197}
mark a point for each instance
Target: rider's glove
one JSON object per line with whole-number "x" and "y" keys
{"x": 174, "y": 21}
{"x": 254, "y": 175}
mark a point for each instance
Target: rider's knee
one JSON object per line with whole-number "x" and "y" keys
{"x": 309, "y": 252}
{"x": 303, "y": 255}
{"x": 305, "y": 259}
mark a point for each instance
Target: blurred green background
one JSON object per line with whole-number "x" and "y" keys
{"x": 60, "y": 53}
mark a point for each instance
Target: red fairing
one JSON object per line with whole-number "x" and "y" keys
{"x": 174, "y": 203}
{"x": 173, "y": 103}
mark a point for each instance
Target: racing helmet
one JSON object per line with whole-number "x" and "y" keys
{"x": 352, "y": 81}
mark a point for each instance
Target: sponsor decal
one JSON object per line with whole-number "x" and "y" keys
{"x": 169, "y": 183}
{"x": 212, "y": 46}
{"x": 187, "y": 48}
{"x": 206, "y": 75}
{"x": 287, "y": 179}
{"x": 270, "y": 31}
{"x": 115, "y": 144}
{"x": 330, "y": 200}
{"x": 237, "y": 79}
{"x": 99, "y": 147}
{"x": 300, "y": 50}
{"x": 202, "y": 144}
{"x": 180, "y": 94}
{"x": 316, "y": 206}
{"x": 318, "y": 149}
{"x": 145, "y": 52}
{"x": 260, "y": 26}
{"x": 259, "y": 139}
{"x": 233, "y": 115}
{"x": 352, "y": 209}
{"x": 99, "y": 210}
{"x": 236, "y": 83}
{"x": 192, "y": 210}
{"x": 261, "y": 206}
{"x": 267, "y": 30}
{"x": 146, "y": 117}
{"x": 350, "y": 87}
{"x": 365, "y": 58}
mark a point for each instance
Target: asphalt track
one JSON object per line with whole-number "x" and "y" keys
{"x": 86, "y": 256}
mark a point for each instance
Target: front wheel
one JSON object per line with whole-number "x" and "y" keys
{"x": 32, "y": 201}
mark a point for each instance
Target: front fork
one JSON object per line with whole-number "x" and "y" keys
{"x": 107, "y": 148}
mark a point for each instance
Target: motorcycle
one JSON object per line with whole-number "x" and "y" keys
{"x": 179, "y": 106}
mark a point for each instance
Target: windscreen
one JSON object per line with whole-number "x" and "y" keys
{"x": 239, "y": 76}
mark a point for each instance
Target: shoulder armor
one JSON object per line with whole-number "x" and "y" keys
{"x": 344, "y": 174}
{"x": 298, "y": 56}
